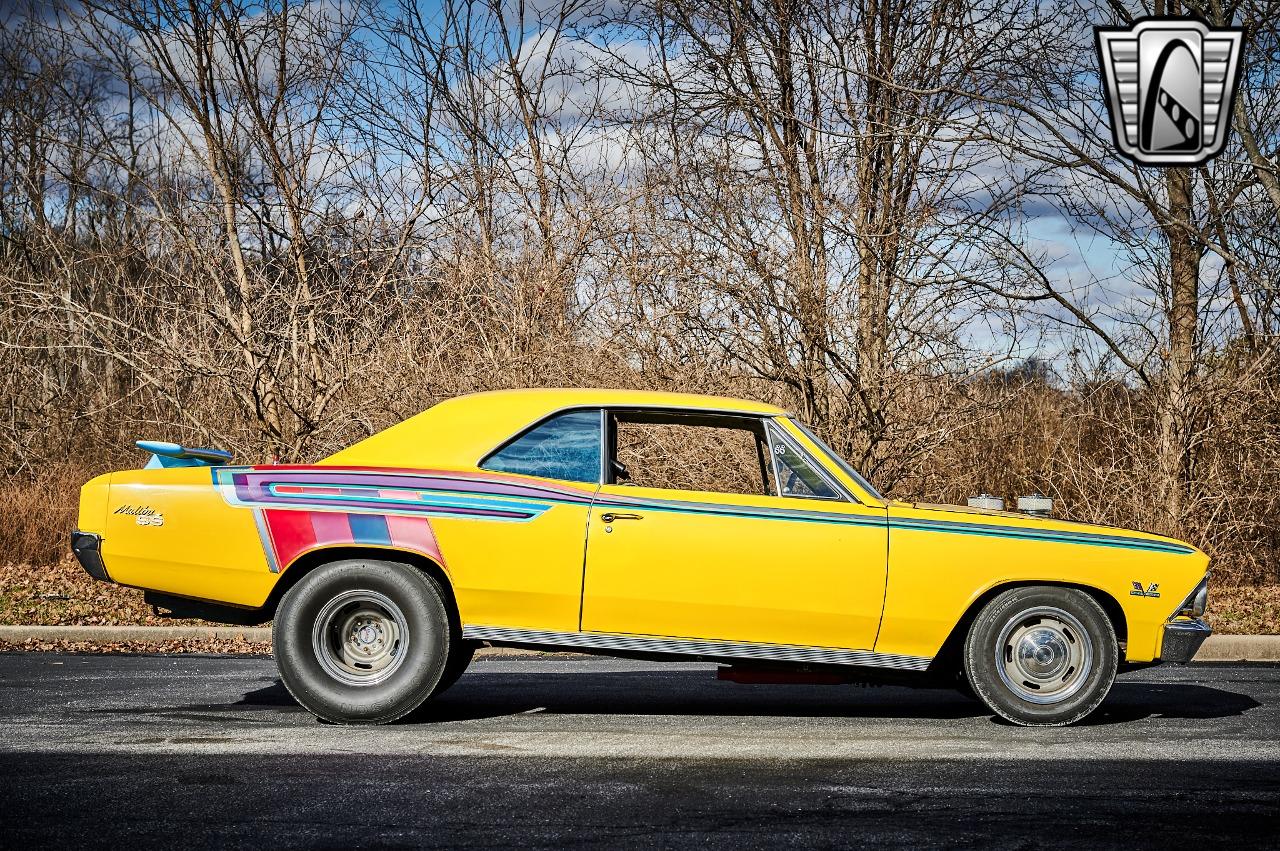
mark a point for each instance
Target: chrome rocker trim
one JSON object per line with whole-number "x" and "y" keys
{"x": 696, "y": 647}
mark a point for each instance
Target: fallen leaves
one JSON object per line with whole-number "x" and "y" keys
{"x": 221, "y": 646}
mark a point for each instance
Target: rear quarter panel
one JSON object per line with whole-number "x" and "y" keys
{"x": 205, "y": 548}
{"x": 935, "y": 575}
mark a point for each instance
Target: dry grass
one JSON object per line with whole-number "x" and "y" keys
{"x": 40, "y": 511}
{"x": 1245, "y": 610}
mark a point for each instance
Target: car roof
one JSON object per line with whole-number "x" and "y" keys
{"x": 459, "y": 432}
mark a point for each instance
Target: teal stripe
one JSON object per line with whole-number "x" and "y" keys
{"x": 438, "y": 499}
{"x": 761, "y": 514}
{"x": 1048, "y": 535}
{"x": 952, "y": 527}
{"x": 454, "y": 499}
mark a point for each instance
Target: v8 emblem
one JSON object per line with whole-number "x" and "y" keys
{"x": 1152, "y": 591}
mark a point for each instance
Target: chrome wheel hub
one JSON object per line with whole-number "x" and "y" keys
{"x": 360, "y": 637}
{"x": 1044, "y": 655}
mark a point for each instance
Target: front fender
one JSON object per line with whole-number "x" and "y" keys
{"x": 942, "y": 562}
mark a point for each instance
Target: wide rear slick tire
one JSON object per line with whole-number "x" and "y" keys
{"x": 364, "y": 642}
{"x": 1041, "y": 656}
{"x": 460, "y": 656}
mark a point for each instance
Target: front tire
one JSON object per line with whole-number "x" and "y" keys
{"x": 1042, "y": 656}
{"x": 363, "y": 641}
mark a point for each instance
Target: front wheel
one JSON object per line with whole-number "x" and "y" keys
{"x": 363, "y": 641}
{"x": 1042, "y": 656}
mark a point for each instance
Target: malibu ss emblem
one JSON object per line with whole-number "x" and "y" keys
{"x": 144, "y": 515}
{"x": 1152, "y": 591}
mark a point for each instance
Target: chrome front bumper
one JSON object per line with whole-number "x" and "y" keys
{"x": 1182, "y": 638}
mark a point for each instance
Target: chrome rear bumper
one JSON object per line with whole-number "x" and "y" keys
{"x": 88, "y": 551}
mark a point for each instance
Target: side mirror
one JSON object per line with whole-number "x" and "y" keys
{"x": 620, "y": 473}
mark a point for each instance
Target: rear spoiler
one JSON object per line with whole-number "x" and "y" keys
{"x": 174, "y": 455}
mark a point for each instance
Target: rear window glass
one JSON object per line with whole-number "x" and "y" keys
{"x": 567, "y": 447}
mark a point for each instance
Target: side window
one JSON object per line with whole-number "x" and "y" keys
{"x": 567, "y": 446}
{"x": 796, "y": 472}
{"x": 687, "y": 452}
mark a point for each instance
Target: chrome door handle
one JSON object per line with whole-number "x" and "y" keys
{"x": 610, "y": 516}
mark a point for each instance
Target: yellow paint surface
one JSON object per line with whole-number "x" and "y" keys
{"x": 698, "y": 574}
{"x": 205, "y": 548}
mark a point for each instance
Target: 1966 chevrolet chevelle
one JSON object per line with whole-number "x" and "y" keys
{"x": 638, "y": 524}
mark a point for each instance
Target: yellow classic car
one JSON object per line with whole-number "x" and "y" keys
{"x": 653, "y": 525}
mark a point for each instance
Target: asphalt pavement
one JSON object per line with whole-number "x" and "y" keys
{"x": 201, "y": 751}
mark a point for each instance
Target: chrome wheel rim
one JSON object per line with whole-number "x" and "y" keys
{"x": 1044, "y": 655}
{"x": 360, "y": 637}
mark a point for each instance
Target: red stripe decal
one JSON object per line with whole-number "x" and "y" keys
{"x": 308, "y": 489}
{"x": 295, "y": 532}
{"x": 413, "y": 533}
{"x": 331, "y": 528}
{"x": 291, "y": 533}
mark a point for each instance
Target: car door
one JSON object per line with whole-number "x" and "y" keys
{"x": 519, "y": 565}
{"x": 685, "y": 548}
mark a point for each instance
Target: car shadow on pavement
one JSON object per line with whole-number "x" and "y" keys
{"x": 695, "y": 692}
{"x": 692, "y": 693}
{"x": 1135, "y": 701}
{"x": 698, "y": 693}
{"x": 1129, "y": 702}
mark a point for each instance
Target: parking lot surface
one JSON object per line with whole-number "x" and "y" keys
{"x": 147, "y": 751}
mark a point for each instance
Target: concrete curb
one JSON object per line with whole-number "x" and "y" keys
{"x": 1240, "y": 648}
{"x": 1218, "y": 648}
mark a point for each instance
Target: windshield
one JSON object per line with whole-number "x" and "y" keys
{"x": 837, "y": 460}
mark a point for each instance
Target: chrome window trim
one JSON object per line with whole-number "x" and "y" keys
{"x": 697, "y": 647}
{"x": 835, "y": 458}
{"x": 764, "y": 421}
{"x": 605, "y": 410}
{"x": 843, "y": 493}
{"x": 606, "y": 453}
{"x": 773, "y": 459}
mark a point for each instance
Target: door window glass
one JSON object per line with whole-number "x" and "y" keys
{"x": 567, "y": 446}
{"x": 696, "y": 452}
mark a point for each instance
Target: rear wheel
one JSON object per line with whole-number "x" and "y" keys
{"x": 460, "y": 658}
{"x": 363, "y": 641}
{"x": 1041, "y": 656}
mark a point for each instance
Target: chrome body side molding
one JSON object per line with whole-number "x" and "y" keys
{"x": 697, "y": 647}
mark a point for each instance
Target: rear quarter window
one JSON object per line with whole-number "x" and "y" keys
{"x": 566, "y": 447}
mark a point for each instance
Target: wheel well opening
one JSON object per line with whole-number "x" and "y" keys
{"x": 948, "y": 660}
{"x": 308, "y": 562}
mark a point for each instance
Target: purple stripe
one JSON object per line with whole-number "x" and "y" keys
{"x": 339, "y": 504}
{"x": 251, "y": 485}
